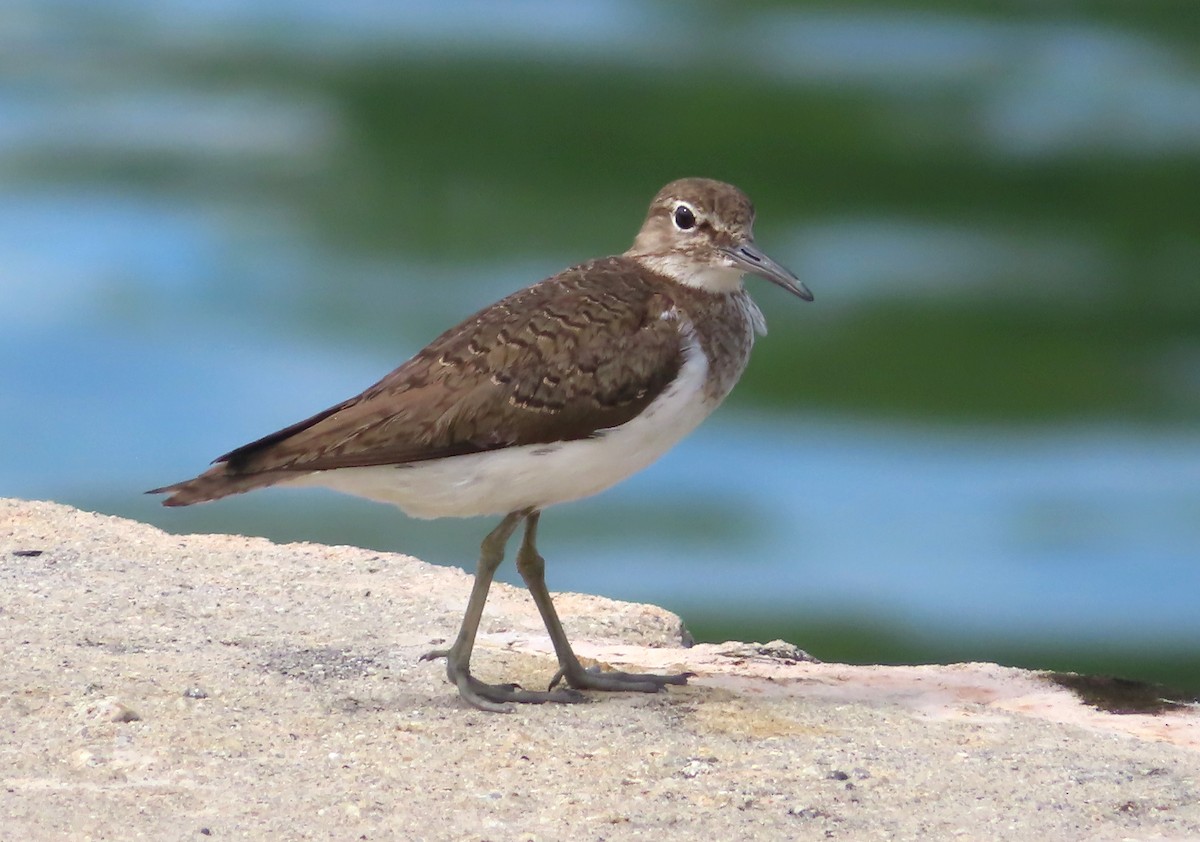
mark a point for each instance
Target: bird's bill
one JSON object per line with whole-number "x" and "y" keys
{"x": 747, "y": 256}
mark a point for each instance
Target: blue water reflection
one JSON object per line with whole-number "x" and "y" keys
{"x": 976, "y": 531}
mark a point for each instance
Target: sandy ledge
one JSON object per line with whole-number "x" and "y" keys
{"x": 217, "y": 687}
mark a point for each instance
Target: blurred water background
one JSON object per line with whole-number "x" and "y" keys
{"x": 980, "y": 441}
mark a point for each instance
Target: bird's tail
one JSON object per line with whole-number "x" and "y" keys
{"x": 217, "y": 482}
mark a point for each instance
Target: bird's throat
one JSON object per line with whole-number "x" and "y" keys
{"x": 683, "y": 270}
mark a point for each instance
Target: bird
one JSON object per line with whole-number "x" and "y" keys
{"x": 552, "y": 394}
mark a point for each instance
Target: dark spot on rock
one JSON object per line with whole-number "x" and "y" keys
{"x": 124, "y": 713}
{"x": 809, "y": 813}
{"x": 1122, "y": 695}
{"x": 322, "y": 664}
{"x": 27, "y": 553}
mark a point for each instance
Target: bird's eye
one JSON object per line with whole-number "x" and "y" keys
{"x": 685, "y": 218}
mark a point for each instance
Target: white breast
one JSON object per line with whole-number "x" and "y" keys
{"x": 501, "y": 481}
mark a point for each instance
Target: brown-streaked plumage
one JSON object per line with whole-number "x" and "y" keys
{"x": 554, "y": 393}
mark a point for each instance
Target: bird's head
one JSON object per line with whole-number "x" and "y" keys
{"x": 699, "y": 232}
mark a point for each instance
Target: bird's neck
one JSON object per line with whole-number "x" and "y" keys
{"x": 683, "y": 270}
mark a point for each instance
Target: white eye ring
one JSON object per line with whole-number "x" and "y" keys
{"x": 684, "y": 217}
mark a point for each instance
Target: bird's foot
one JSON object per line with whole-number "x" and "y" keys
{"x": 593, "y": 678}
{"x": 497, "y": 698}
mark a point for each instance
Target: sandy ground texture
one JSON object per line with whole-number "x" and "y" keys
{"x": 217, "y": 687}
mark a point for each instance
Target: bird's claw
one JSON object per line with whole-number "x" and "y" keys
{"x": 594, "y": 678}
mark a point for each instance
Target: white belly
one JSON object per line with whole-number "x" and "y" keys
{"x": 502, "y": 481}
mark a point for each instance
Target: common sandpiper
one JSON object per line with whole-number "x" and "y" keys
{"x": 554, "y": 393}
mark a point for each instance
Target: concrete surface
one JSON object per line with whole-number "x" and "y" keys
{"x": 217, "y": 687}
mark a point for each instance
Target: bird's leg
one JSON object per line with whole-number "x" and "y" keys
{"x": 490, "y": 697}
{"x": 532, "y": 568}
